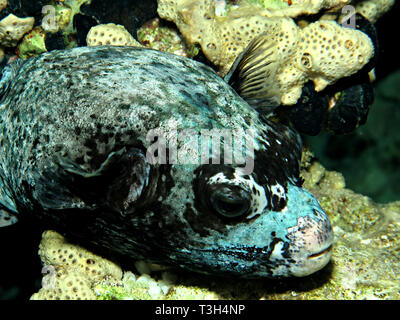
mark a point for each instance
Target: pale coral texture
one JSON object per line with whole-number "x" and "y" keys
{"x": 12, "y": 29}
{"x": 3, "y": 4}
{"x": 76, "y": 270}
{"x": 110, "y": 34}
{"x": 373, "y": 9}
{"x": 323, "y": 51}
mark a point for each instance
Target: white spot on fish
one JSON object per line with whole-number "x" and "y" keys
{"x": 277, "y": 251}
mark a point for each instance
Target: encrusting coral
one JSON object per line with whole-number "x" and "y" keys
{"x": 159, "y": 35}
{"x": 76, "y": 270}
{"x": 373, "y": 9}
{"x": 110, "y": 34}
{"x": 298, "y": 7}
{"x": 13, "y": 28}
{"x": 323, "y": 51}
{"x": 32, "y": 44}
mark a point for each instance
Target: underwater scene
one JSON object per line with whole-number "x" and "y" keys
{"x": 199, "y": 150}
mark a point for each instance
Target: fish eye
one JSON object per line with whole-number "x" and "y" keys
{"x": 230, "y": 201}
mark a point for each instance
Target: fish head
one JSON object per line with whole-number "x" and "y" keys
{"x": 240, "y": 231}
{"x": 221, "y": 218}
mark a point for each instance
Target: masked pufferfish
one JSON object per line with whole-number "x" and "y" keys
{"x": 74, "y": 157}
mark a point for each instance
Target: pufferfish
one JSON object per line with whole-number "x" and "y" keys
{"x": 74, "y": 154}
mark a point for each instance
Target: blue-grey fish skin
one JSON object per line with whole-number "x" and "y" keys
{"x": 73, "y": 144}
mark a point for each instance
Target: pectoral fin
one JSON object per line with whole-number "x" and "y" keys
{"x": 71, "y": 167}
{"x": 117, "y": 184}
{"x": 253, "y": 74}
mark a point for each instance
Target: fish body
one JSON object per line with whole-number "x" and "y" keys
{"x": 74, "y": 153}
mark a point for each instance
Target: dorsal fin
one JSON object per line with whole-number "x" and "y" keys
{"x": 253, "y": 74}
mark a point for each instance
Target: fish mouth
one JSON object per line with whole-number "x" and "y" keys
{"x": 320, "y": 253}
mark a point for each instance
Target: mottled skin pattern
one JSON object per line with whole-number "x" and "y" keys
{"x": 72, "y": 151}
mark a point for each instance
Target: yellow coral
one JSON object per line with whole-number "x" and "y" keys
{"x": 69, "y": 284}
{"x": 110, "y": 34}
{"x": 3, "y": 4}
{"x": 373, "y": 9}
{"x": 332, "y": 52}
{"x": 77, "y": 270}
{"x": 326, "y": 52}
{"x": 322, "y": 52}
{"x": 12, "y": 29}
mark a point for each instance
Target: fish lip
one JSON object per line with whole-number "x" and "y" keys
{"x": 321, "y": 253}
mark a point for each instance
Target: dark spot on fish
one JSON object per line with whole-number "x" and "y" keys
{"x": 35, "y": 143}
{"x": 80, "y": 160}
{"x": 124, "y": 106}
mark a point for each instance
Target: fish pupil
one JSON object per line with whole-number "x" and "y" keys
{"x": 230, "y": 203}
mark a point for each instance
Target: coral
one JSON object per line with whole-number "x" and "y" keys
{"x": 32, "y": 44}
{"x": 61, "y": 21}
{"x": 110, "y": 34}
{"x": 373, "y": 9}
{"x": 323, "y": 51}
{"x": 74, "y": 6}
{"x": 299, "y": 7}
{"x": 144, "y": 287}
{"x": 76, "y": 269}
{"x": 326, "y": 53}
{"x": 372, "y": 167}
{"x": 134, "y": 287}
{"x": 68, "y": 285}
{"x": 223, "y": 38}
{"x": 3, "y": 4}
{"x": 157, "y": 35}
{"x": 12, "y": 29}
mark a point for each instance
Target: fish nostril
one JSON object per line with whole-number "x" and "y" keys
{"x": 320, "y": 253}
